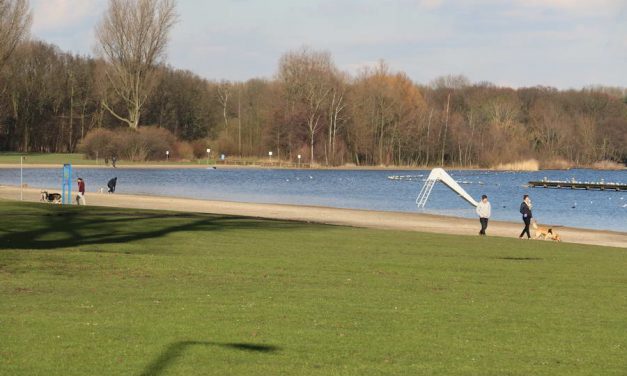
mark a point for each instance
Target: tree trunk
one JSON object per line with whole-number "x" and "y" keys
{"x": 448, "y": 101}
{"x": 428, "y": 138}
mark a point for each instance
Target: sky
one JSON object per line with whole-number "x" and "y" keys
{"x": 518, "y": 43}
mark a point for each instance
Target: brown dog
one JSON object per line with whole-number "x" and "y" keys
{"x": 545, "y": 233}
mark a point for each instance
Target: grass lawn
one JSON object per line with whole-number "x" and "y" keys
{"x": 77, "y": 159}
{"x": 46, "y": 158}
{"x": 89, "y": 291}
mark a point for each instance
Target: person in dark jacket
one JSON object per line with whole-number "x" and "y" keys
{"x": 111, "y": 184}
{"x": 525, "y": 210}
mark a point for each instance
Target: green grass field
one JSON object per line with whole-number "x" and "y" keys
{"x": 46, "y": 158}
{"x": 100, "y": 291}
{"x": 77, "y": 159}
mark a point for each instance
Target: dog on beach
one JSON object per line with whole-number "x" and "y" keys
{"x": 52, "y": 198}
{"x": 545, "y": 233}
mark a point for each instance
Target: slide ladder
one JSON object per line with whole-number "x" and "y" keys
{"x": 421, "y": 200}
{"x": 438, "y": 174}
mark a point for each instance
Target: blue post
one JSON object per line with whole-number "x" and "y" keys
{"x": 66, "y": 197}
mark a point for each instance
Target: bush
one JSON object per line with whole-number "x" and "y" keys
{"x": 184, "y": 150}
{"x": 98, "y": 143}
{"x": 148, "y": 143}
{"x": 200, "y": 148}
{"x": 157, "y": 141}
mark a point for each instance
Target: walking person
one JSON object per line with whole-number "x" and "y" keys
{"x": 484, "y": 210}
{"x": 525, "y": 210}
{"x": 80, "y": 198}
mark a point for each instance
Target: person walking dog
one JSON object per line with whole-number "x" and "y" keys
{"x": 484, "y": 210}
{"x": 525, "y": 210}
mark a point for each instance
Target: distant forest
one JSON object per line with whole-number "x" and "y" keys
{"x": 51, "y": 100}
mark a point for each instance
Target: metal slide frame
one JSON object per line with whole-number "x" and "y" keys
{"x": 438, "y": 174}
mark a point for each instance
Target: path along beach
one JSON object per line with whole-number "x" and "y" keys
{"x": 345, "y": 217}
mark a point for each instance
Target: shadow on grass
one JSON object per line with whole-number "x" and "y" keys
{"x": 46, "y": 227}
{"x": 176, "y": 349}
{"x": 519, "y": 258}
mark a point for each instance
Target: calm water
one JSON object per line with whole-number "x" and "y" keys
{"x": 366, "y": 190}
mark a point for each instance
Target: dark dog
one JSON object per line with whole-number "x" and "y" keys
{"x": 53, "y": 198}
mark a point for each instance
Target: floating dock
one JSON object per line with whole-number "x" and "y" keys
{"x": 600, "y": 186}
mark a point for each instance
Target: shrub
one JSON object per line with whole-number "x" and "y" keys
{"x": 157, "y": 142}
{"x": 200, "y": 148}
{"x": 183, "y": 150}
{"x": 98, "y": 143}
{"x": 148, "y": 143}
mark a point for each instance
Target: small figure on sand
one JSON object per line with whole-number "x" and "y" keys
{"x": 484, "y": 209}
{"x": 111, "y": 184}
{"x": 525, "y": 210}
{"x": 113, "y": 160}
{"x": 80, "y": 198}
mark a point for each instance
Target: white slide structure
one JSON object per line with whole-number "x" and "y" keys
{"x": 438, "y": 174}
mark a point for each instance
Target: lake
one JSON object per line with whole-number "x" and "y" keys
{"x": 386, "y": 190}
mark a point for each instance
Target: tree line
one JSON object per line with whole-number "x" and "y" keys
{"x": 50, "y": 100}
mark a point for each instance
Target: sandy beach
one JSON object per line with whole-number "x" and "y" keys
{"x": 345, "y": 217}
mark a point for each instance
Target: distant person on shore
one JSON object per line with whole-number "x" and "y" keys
{"x": 484, "y": 209}
{"x": 106, "y": 161}
{"x": 525, "y": 210}
{"x": 111, "y": 184}
{"x": 80, "y": 198}
{"x": 113, "y": 160}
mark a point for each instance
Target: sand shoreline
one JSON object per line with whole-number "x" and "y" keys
{"x": 335, "y": 216}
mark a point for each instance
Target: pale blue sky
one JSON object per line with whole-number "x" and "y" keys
{"x": 561, "y": 43}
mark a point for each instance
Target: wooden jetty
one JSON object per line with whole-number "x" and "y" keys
{"x": 601, "y": 186}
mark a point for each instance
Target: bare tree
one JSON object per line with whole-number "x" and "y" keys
{"x": 133, "y": 37}
{"x": 307, "y": 77}
{"x": 15, "y": 21}
{"x": 224, "y": 92}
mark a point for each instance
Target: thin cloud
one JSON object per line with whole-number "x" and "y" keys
{"x": 574, "y": 5}
{"x": 55, "y": 15}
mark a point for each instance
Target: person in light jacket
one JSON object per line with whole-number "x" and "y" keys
{"x": 484, "y": 209}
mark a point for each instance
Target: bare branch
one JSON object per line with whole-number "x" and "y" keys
{"x": 133, "y": 37}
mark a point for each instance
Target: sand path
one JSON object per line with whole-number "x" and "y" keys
{"x": 346, "y": 217}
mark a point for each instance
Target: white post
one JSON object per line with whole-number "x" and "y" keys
{"x": 298, "y": 160}
{"x": 270, "y": 154}
{"x": 208, "y": 153}
{"x": 167, "y": 155}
